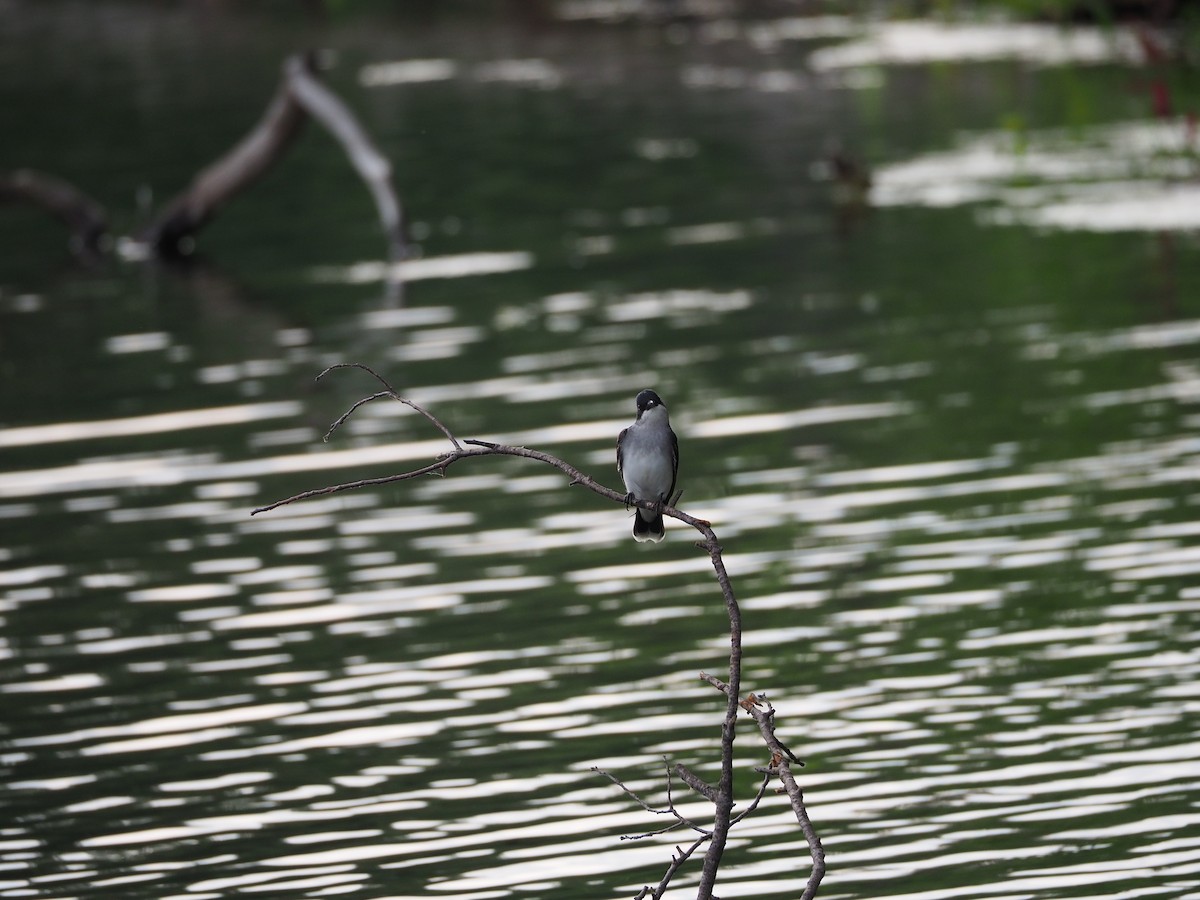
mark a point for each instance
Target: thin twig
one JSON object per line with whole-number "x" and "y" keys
{"x": 388, "y": 391}
{"x": 485, "y": 449}
{"x": 678, "y": 858}
{"x": 344, "y": 416}
{"x": 438, "y": 468}
{"x": 762, "y": 790}
{"x": 628, "y": 790}
{"x": 680, "y": 820}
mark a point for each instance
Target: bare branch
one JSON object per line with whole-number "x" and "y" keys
{"x": 388, "y": 392}
{"x": 696, "y": 783}
{"x": 678, "y": 858}
{"x": 722, "y": 794}
{"x": 438, "y": 468}
{"x": 715, "y": 682}
{"x": 724, "y": 810}
{"x": 680, "y": 820}
{"x": 781, "y": 758}
{"x": 300, "y": 95}
{"x": 84, "y": 217}
{"x": 815, "y": 849}
{"x": 372, "y": 166}
{"x": 232, "y": 173}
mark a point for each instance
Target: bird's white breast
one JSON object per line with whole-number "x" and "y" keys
{"x": 647, "y": 467}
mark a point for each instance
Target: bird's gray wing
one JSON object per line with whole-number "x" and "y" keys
{"x": 621, "y": 449}
{"x": 674, "y": 464}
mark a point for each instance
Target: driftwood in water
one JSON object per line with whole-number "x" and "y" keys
{"x": 300, "y": 96}
{"x": 373, "y": 167}
{"x": 84, "y": 217}
{"x": 224, "y": 179}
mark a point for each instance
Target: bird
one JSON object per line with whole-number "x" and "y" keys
{"x": 648, "y": 462}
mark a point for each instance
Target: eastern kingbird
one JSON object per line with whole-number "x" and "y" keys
{"x": 648, "y": 460}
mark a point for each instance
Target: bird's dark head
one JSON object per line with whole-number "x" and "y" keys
{"x": 647, "y": 400}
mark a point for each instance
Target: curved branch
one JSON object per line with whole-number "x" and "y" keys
{"x": 388, "y": 391}
{"x": 721, "y": 795}
{"x": 724, "y": 805}
{"x": 231, "y": 174}
{"x": 436, "y": 468}
{"x": 300, "y": 95}
{"x": 486, "y": 449}
{"x": 85, "y": 218}
{"x": 762, "y": 792}
{"x": 372, "y": 166}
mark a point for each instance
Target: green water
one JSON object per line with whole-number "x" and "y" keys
{"x": 953, "y": 464}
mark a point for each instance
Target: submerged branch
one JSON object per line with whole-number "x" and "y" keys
{"x": 372, "y": 166}
{"x": 86, "y": 219}
{"x": 231, "y": 174}
{"x": 300, "y": 96}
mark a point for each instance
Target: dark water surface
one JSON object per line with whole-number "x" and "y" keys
{"x": 950, "y": 444}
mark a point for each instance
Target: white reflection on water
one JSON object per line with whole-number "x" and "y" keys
{"x": 167, "y": 469}
{"x": 913, "y": 42}
{"x": 770, "y": 422}
{"x": 177, "y": 469}
{"x": 463, "y": 265}
{"x": 982, "y": 657}
{"x": 158, "y": 423}
{"x": 80, "y": 682}
{"x": 138, "y": 343}
{"x": 1129, "y": 176}
{"x": 531, "y": 72}
{"x": 409, "y": 71}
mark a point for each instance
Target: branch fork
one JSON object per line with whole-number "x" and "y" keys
{"x": 756, "y": 705}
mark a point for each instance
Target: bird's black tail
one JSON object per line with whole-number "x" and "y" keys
{"x": 652, "y": 530}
